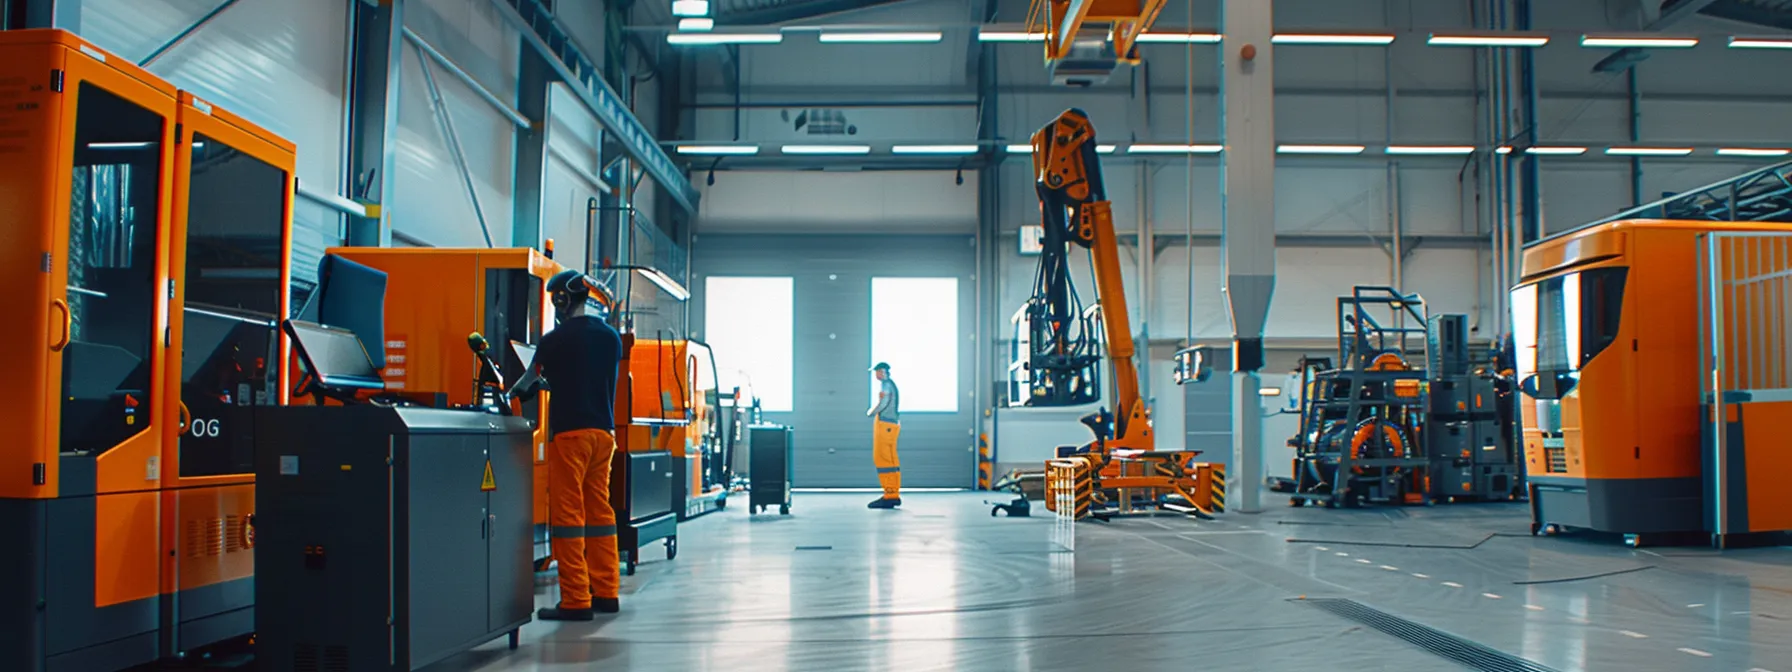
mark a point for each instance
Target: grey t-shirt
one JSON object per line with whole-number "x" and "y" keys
{"x": 889, "y": 402}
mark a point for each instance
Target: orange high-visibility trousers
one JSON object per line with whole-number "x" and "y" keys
{"x": 883, "y": 453}
{"x": 581, "y": 522}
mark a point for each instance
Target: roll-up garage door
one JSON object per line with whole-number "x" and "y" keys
{"x": 833, "y": 308}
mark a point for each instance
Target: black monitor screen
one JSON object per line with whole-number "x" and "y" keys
{"x": 334, "y": 355}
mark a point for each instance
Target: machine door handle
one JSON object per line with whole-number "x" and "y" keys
{"x": 68, "y": 325}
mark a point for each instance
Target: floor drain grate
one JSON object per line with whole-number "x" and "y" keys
{"x": 815, "y": 548}
{"x": 1471, "y": 654}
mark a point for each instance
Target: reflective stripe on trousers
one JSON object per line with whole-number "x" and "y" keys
{"x": 883, "y": 452}
{"x": 581, "y": 523}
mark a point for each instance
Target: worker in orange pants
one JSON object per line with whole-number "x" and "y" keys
{"x": 578, "y": 361}
{"x": 887, "y": 428}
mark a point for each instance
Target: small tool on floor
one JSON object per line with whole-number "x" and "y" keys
{"x": 1019, "y": 508}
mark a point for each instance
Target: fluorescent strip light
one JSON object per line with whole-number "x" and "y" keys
{"x": 719, "y": 150}
{"x": 826, "y": 149}
{"x": 1610, "y": 42}
{"x": 696, "y": 24}
{"x": 119, "y": 145}
{"x": 1106, "y": 149}
{"x": 1504, "y": 149}
{"x": 724, "y": 38}
{"x": 1008, "y": 36}
{"x": 1752, "y": 151}
{"x": 1759, "y": 43}
{"x": 1491, "y": 40}
{"x": 664, "y": 282}
{"x": 690, "y": 7}
{"x": 1556, "y": 151}
{"x": 1020, "y": 149}
{"x": 1320, "y": 149}
{"x": 879, "y": 38}
{"x": 1430, "y": 150}
{"x": 1648, "y": 151}
{"x": 1175, "y": 149}
{"x": 1182, "y": 38}
{"x": 934, "y": 149}
{"x": 1339, "y": 40}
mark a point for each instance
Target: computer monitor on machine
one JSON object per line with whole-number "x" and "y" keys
{"x": 336, "y": 363}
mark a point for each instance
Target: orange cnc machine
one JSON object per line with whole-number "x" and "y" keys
{"x": 446, "y": 294}
{"x": 1606, "y": 329}
{"x": 147, "y": 261}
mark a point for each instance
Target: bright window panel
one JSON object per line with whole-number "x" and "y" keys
{"x": 914, "y": 327}
{"x": 750, "y": 327}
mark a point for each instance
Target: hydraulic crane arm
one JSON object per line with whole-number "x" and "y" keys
{"x": 1063, "y": 361}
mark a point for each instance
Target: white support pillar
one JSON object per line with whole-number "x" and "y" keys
{"x": 1248, "y": 228}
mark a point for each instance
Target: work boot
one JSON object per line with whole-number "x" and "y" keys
{"x": 563, "y": 614}
{"x": 608, "y": 605}
{"x": 884, "y": 503}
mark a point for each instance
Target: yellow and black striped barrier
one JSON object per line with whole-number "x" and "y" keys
{"x": 1217, "y": 474}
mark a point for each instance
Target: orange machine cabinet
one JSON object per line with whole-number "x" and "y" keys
{"x": 231, "y": 271}
{"x": 1606, "y": 337}
{"x": 98, "y": 178}
{"x": 436, "y": 297}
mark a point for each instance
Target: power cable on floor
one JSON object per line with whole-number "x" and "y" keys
{"x": 1600, "y": 575}
{"x": 1390, "y": 544}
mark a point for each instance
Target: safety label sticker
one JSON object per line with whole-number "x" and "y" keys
{"x": 489, "y": 484}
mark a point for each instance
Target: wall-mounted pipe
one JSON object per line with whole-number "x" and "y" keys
{"x": 182, "y": 37}
{"x": 1636, "y": 135}
{"x": 1533, "y": 190}
{"x": 446, "y": 121}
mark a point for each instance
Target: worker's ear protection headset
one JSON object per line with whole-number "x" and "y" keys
{"x": 567, "y": 289}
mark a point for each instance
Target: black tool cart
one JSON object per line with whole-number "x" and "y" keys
{"x": 773, "y": 468}
{"x": 641, "y": 490}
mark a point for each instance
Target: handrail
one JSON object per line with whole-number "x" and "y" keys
{"x": 1762, "y": 195}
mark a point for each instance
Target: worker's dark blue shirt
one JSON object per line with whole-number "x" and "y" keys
{"x": 579, "y": 359}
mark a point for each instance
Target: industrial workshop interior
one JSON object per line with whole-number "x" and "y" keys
{"x": 830, "y": 335}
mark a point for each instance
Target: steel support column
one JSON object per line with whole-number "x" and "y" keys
{"x": 1248, "y": 226}
{"x": 989, "y": 357}
{"x": 532, "y": 83}
{"x": 1531, "y": 227}
{"x": 373, "y": 116}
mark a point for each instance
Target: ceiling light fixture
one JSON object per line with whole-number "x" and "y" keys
{"x": 1181, "y": 38}
{"x": 826, "y": 149}
{"x": 1487, "y": 40}
{"x": 1556, "y": 151}
{"x": 719, "y": 150}
{"x": 701, "y": 23}
{"x": 724, "y": 38}
{"x": 1760, "y": 43}
{"x": 1320, "y": 149}
{"x": 1009, "y": 36}
{"x": 1752, "y": 151}
{"x": 1637, "y": 41}
{"x": 690, "y": 7}
{"x": 1504, "y": 149}
{"x": 1648, "y": 151}
{"x": 1020, "y": 149}
{"x": 1332, "y": 39}
{"x": 934, "y": 149}
{"x": 1430, "y": 150}
{"x": 854, "y": 37}
{"x": 1175, "y": 149}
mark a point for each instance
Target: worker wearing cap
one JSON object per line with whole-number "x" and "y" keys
{"x": 579, "y": 360}
{"x": 886, "y": 428}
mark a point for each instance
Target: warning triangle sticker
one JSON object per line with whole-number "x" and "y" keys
{"x": 489, "y": 484}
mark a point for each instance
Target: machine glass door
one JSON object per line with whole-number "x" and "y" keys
{"x": 229, "y": 261}
{"x": 112, "y": 278}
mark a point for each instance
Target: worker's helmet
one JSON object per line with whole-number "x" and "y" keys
{"x": 568, "y": 288}
{"x": 882, "y": 366}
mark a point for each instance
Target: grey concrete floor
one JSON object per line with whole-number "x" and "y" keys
{"x": 940, "y": 585}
